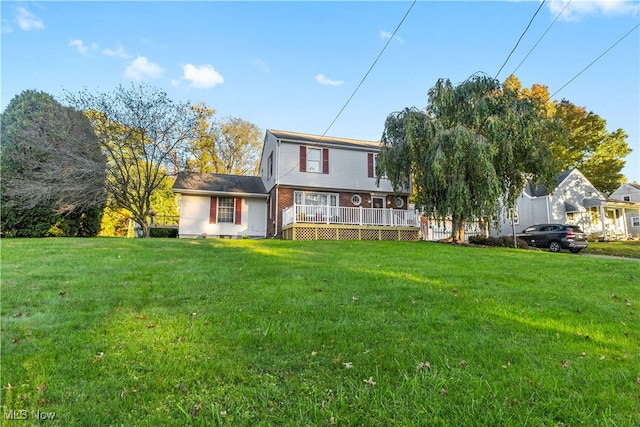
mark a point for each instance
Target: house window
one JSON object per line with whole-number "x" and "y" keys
{"x": 270, "y": 166}
{"x": 635, "y": 221}
{"x": 226, "y": 209}
{"x": 372, "y": 160}
{"x": 626, "y": 199}
{"x": 356, "y": 199}
{"x": 399, "y": 202}
{"x": 314, "y": 159}
{"x": 315, "y": 199}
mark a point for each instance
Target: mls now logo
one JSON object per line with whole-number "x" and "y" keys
{"x": 16, "y": 414}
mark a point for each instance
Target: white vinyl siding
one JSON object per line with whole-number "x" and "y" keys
{"x": 347, "y": 171}
{"x": 194, "y": 218}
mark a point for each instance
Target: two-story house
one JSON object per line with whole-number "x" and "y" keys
{"x": 628, "y": 194}
{"x": 312, "y": 187}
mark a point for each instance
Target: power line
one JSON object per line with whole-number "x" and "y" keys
{"x": 595, "y": 60}
{"x": 370, "y": 68}
{"x": 542, "y": 36}
{"x": 521, "y": 36}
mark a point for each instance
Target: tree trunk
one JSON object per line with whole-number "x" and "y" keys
{"x": 457, "y": 233}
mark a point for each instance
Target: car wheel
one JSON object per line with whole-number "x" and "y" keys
{"x": 554, "y": 246}
{"x": 575, "y": 251}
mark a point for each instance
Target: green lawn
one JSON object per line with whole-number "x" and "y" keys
{"x": 239, "y": 332}
{"x": 624, "y": 248}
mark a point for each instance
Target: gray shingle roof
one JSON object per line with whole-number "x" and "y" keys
{"x": 326, "y": 140}
{"x": 540, "y": 190}
{"x": 193, "y": 182}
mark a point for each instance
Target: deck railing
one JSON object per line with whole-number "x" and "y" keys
{"x": 350, "y": 216}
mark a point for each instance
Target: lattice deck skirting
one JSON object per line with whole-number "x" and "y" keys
{"x": 347, "y": 232}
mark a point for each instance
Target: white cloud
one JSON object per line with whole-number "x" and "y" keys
{"x": 82, "y": 48}
{"x": 324, "y": 80}
{"x": 27, "y": 21}
{"x": 202, "y": 77}
{"x": 141, "y": 68}
{"x": 579, "y": 8}
{"x": 386, "y": 35}
{"x": 119, "y": 52}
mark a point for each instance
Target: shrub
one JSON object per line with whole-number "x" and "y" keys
{"x": 170, "y": 232}
{"x": 501, "y": 242}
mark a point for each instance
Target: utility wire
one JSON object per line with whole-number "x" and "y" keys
{"x": 370, "y": 68}
{"x": 595, "y": 60}
{"x": 518, "y": 42}
{"x": 542, "y": 36}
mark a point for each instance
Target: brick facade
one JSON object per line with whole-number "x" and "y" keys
{"x": 285, "y": 199}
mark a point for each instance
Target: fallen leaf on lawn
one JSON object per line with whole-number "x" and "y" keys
{"x": 443, "y": 391}
{"x": 41, "y": 401}
{"x": 196, "y": 409}
{"x": 123, "y": 393}
{"x": 15, "y": 340}
{"x": 142, "y": 317}
{"x": 223, "y": 413}
{"x": 62, "y": 293}
{"x": 15, "y": 316}
{"x": 637, "y": 381}
{"x": 184, "y": 389}
{"x": 370, "y": 382}
{"x": 565, "y": 363}
{"x": 42, "y": 387}
{"x": 423, "y": 365}
{"x": 151, "y": 326}
{"x": 348, "y": 365}
{"x": 602, "y": 357}
{"x": 314, "y": 353}
{"x": 354, "y": 298}
{"x": 10, "y": 387}
{"x": 463, "y": 363}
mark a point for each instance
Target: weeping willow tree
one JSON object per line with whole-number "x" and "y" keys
{"x": 469, "y": 153}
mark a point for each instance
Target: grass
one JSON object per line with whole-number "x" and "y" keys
{"x": 240, "y": 332}
{"x": 623, "y": 248}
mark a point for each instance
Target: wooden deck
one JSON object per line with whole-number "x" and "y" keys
{"x": 320, "y": 231}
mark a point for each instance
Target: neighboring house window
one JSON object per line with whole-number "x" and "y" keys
{"x": 356, "y": 199}
{"x": 399, "y": 202}
{"x": 270, "y": 166}
{"x": 626, "y": 199}
{"x": 314, "y": 159}
{"x": 635, "y": 221}
{"x": 226, "y": 210}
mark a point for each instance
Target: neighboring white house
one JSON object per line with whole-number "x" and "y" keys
{"x": 628, "y": 195}
{"x": 574, "y": 200}
{"x": 310, "y": 187}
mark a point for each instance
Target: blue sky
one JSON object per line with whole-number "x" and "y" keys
{"x": 293, "y": 65}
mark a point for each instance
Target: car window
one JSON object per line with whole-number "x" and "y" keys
{"x": 574, "y": 228}
{"x": 529, "y": 229}
{"x": 546, "y": 228}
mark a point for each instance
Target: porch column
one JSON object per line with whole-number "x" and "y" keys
{"x": 603, "y": 221}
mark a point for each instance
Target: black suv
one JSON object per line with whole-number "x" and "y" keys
{"x": 555, "y": 237}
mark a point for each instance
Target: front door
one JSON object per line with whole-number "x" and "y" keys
{"x": 378, "y": 202}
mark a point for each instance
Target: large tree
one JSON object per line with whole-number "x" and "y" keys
{"x": 53, "y": 170}
{"x": 230, "y": 146}
{"x": 580, "y": 138}
{"x": 143, "y": 134}
{"x": 469, "y": 153}
{"x": 238, "y": 145}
